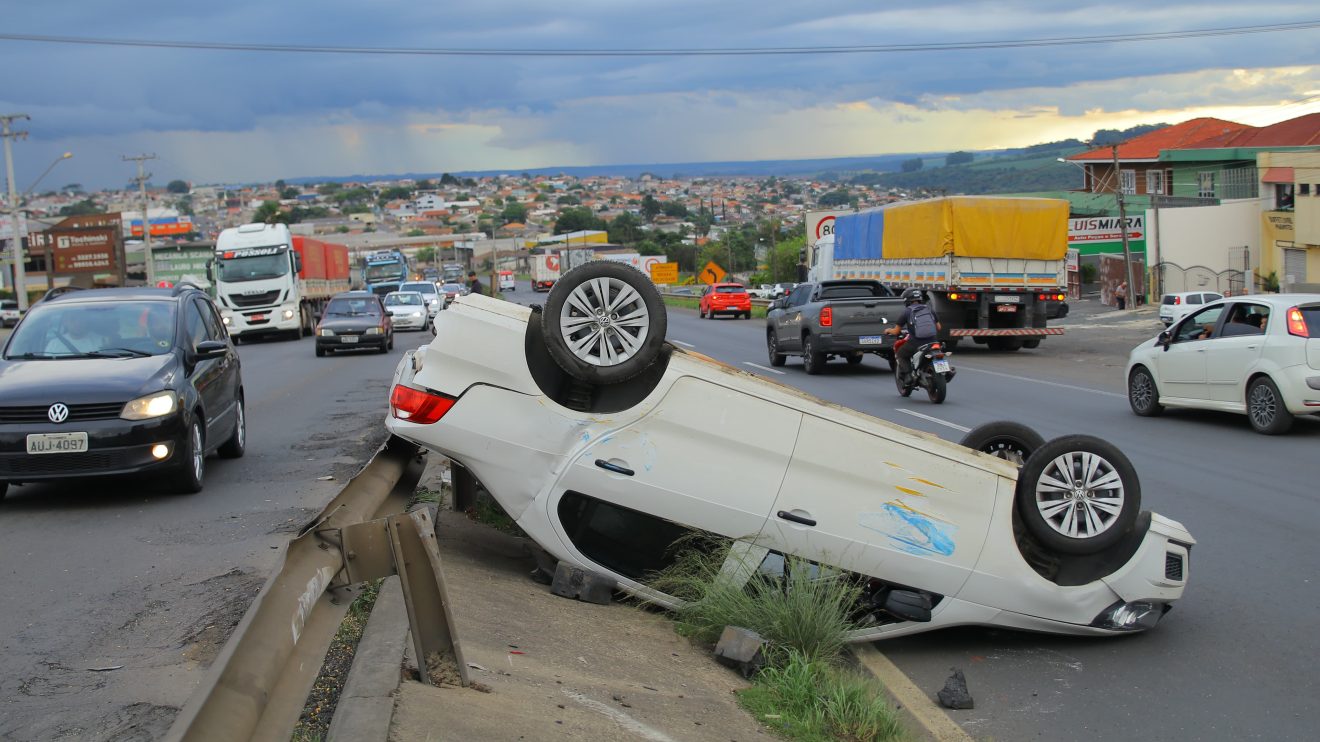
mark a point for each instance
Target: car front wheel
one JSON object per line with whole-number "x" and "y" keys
{"x": 1143, "y": 396}
{"x": 237, "y": 443}
{"x": 772, "y": 347}
{"x": 192, "y": 461}
{"x": 1078, "y": 495}
{"x": 604, "y": 322}
{"x": 1265, "y": 408}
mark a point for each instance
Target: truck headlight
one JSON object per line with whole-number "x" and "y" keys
{"x": 152, "y": 405}
{"x": 288, "y": 314}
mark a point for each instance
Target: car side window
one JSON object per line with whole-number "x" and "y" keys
{"x": 194, "y": 325}
{"x": 1193, "y": 298}
{"x": 1199, "y": 326}
{"x": 215, "y": 329}
{"x": 798, "y": 297}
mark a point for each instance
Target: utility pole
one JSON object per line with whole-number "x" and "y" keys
{"x": 16, "y": 246}
{"x": 1123, "y": 226}
{"x": 142, "y": 177}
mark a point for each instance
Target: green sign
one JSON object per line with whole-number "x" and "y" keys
{"x": 183, "y": 263}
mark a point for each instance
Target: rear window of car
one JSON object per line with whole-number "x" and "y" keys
{"x": 1169, "y": 299}
{"x": 851, "y": 292}
{"x": 1312, "y": 317}
{"x": 730, "y": 290}
{"x": 1211, "y": 297}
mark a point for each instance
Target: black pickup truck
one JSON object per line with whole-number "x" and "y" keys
{"x": 819, "y": 321}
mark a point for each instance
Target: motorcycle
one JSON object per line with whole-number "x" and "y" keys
{"x": 931, "y": 370}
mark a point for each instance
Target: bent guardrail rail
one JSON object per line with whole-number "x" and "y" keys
{"x": 258, "y": 684}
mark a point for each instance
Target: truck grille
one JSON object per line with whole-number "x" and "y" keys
{"x": 77, "y": 413}
{"x": 1173, "y": 566}
{"x": 255, "y": 300}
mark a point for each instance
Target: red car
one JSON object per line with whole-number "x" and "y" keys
{"x": 726, "y": 298}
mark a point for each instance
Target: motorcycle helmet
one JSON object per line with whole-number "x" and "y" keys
{"x": 913, "y": 296}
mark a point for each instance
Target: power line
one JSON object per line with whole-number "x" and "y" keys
{"x": 670, "y": 52}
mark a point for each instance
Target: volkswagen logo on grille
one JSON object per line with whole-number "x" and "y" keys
{"x": 58, "y": 413}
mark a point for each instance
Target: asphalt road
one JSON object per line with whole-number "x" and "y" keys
{"x": 1233, "y": 660}
{"x": 117, "y": 596}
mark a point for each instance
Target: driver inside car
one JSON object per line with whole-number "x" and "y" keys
{"x": 76, "y": 334}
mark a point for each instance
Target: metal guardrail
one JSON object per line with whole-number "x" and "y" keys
{"x": 259, "y": 683}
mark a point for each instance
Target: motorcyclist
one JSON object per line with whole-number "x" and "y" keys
{"x": 922, "y": 325}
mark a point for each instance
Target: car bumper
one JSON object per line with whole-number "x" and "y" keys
{"x": 342, "y": 342}
{"x": 249, "y": 322}
{"x": 1300, "y": 387}
{"x": 841, "y": 344}
{"x": 113, "y": 447}
{"x": 730, "y": 308}
{"x": 402, "y": 322}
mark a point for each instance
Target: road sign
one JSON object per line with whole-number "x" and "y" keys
{"x": 664, "y": 272}
{"x": 712, "y": 273}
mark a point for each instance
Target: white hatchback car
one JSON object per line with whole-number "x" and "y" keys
{"x": 407, "y": 310}
{"x": 609, "y": 448}
{"x": 1174, "y": 307}
{"x": 1257, "y": 355}
{"x": 435, "y": 301}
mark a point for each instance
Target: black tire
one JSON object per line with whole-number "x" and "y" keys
{"x": 1049, "y": 512}
{"x": 937, "y": 388}
{"x": 1265, "y": 408}
{"x": 854, "y": 359}
{"x": 386, "y": 346}
{"x": 237, "y": 443}
{"x": 191, "y": 471}
{"x": 1010, "y": 441}
{"x": 1005, "y": 344}
{"x": 812, "y": 361}
{"x": 951, "y": 344}
{"x": 320, "y": 352}
{"x": 236, "y": 340}
{"x": 747, "y": 315}
{"x": 646, "y": 329}
{"x": 4, "y": 488}
{"x": 1143, "y": 395}
{"x": 701, "y": 313}
{"x": 772, "y": 345}
{"x": 389, "y": 344}
{"x": 1031, "y": 343}
{"x": 903, "y": 389}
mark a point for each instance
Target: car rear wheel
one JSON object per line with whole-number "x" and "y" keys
{"x": 604, "y": 322}
{"x": 1010, "y": 441}
{"x": 1265, "y": 408}
{"x": 772, "y": 348}
{"x": 812, "y": 361}
{"x": 192, "y": 461}
{"x": 1143, "y": 396}
{"x": 1078, "y": 495}
{"x": 237, "y": 443}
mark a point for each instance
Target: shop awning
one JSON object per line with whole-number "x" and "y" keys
{"x": 1278, "y": 175}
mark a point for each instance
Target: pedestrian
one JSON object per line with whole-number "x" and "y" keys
{"x": 1120, "y": 294}
{"x": 474, "y": 283}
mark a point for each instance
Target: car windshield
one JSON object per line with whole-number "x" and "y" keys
{"x": 424, "y": 288}
{"x": 452, "y": 288}
{"x": 410, "y": 299}
{"x": 730, "y": 290}
{"x": 8, "y": 304}
{"x": 350, "y": 307}
{"x": 254, "y": 268}
{"x": 108, "y": 329}
{"x": 384, "y": 271}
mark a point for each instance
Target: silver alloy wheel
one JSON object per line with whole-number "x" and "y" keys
{"x": 242, "y": 426}
{"x": 1080, "y": 494}
{"x": 605, "y": 321}
{"x": 1264, "y": 407}
{"x": 1141, "y": 390}
{"x": 198, "y": 454}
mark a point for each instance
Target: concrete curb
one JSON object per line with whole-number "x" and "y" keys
{"x": 914, "y": 704}
{"x": 366, "y": 705}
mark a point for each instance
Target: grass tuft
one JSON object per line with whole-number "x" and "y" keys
{"x": 816, "y": 701}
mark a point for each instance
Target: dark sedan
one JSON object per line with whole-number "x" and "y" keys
{"x": 354, "y": 320}
{"x": 119, "y": 381}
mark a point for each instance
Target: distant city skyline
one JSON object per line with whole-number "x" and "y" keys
{"x": 222, "y": 116}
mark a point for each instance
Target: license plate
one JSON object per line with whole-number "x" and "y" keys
{"x": 348, "y": 339}
{"x": 1007, "y": 299}
{"x": 1007, "y": 307}
{"x": 38, "y": 443}
{"x": 871, "y": 340}
{"x": 941, "y": 367}
{"x": 257, "y": 317}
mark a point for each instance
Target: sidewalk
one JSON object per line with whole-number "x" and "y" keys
{"x": 561, "y": 669}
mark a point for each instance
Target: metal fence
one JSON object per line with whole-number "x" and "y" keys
{"x": 1172, "y": 278}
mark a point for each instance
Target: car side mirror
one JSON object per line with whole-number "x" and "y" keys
{"x": 1164, "y": 339}
{"x": 210, "y": 349}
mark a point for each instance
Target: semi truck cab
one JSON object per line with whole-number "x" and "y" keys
{"x": 255, "y": 272}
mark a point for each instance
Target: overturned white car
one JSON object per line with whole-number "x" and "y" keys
{"x": 608, "y": 446}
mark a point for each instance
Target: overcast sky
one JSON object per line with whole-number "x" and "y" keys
{"x": 238, "y": 116}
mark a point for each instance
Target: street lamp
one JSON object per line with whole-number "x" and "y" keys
{"x": 50, "y": 167}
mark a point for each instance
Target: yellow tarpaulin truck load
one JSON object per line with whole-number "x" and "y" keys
{"x": 992, "y": 266}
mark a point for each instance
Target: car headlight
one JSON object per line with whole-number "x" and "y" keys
{"x": 374, "y": 330}
{"x": 225, "y": 319}
{"x": 414, "y": 314}
{"x": 152, "y": 405}
{"x": 1135, "y": 616}
{"x": 325, "y": 332}
{"x": 288, "y": 314}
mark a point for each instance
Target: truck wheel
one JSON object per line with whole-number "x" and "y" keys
{"x": 812, "y": 361}
{"x": 1031, "y": 343}
{"x": 854, "y": 359}
{"x": 772, "y": 346}
{"x": 1078, "y": 495}
{"x": 1010, "y": 441}
{"x": 951, "y": 344}
{"x": 1006, "y": 344}
{"x": 604, "y": 322}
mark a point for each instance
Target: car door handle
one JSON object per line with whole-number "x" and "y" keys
{"x": 786, "y": 515}
{"x": 602, "y": 463}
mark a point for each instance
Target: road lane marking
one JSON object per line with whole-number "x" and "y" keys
{"x": 763, "y": 368}
{"x": 685, "y": 345}
{"x": 946, "y": 423}
{"x": 935, "y": 720}
{"x": 1033, "y": 380}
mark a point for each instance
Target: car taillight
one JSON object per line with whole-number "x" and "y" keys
{"x": 1297, "y": 324}
{"x": 827, "y": 317}
{"x": 1177, "y": 300}
{"x": 417, "y": 406}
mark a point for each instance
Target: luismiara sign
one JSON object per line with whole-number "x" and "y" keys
{"x": 1093, "y": 235}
